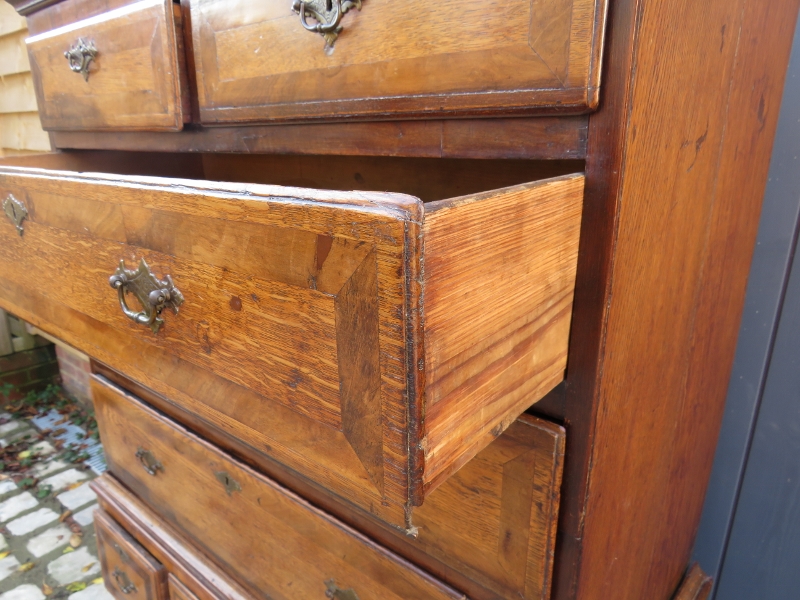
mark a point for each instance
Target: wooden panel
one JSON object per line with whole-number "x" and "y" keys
{"x": 17, "y": 94}
{"x": 13, "y": 54}
{"x": 23, "y": 131}
{"x": 412, "y": 58}
{"x": 128, "y": 570}
{"x": 185, "y": 563}
{"x": 275, "y": 542}
{"x": 10, "y": 21}
{"x": 674, "y": 182}
{"x": 178, "y": 591}
{"x": 134, "y": 83}
{"x": 497, "y": 311}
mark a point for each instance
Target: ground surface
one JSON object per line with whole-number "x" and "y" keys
{"x": 48, "y": 548}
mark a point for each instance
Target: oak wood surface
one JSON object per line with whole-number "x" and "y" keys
{"x": 496, "y": 322}
{"x": 177, "y": 590}
{"x": 275, "y": 542}
{"x": 303, "y": 301}
{"x": 535, "y": 138}
{"x": 256, "y": 61}
{"x": 125, "y": 563}
{"x": 676, "y": 169}
{"x": 134, "y": 83}
{"x": 201, "y": 577}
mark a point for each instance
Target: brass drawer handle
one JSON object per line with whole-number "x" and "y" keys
{"x": 336, "y": 593}
{"x": 79, "y": 57}
{"x": 327, "y": 14}
{"x": 124, "y": 583}
{"x": 153, "y": 294}
{"x": 149, "y": 462}
{"x": 15, "y": 211}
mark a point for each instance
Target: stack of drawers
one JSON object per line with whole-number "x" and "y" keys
{"x": 306, "y": 391}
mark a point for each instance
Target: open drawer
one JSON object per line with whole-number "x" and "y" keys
{"x": 372, "y": 342}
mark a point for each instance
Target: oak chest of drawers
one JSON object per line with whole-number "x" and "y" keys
{"x": 395, "y": 299}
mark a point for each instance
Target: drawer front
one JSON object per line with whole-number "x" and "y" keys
{"x": 256, "y": 60}
{"x": 270, "y": 539}
{"x": 120, "y": 70}
{"x": 292, "y": 319}
{"x": 178, "y": 591}
{"x": 129, "y": 572}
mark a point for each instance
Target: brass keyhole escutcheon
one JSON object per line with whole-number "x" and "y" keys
{"x": 327, "y": 15}
{"x": 15, "y": 211}
{"x": 231, "y": 485}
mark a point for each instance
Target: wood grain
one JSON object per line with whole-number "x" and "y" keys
{"x": 696, "y": 585}
{"x": 202, "y": 578}
{"x": 412, "y": 59}
{"x": 134, "y": 83}
{"x": 126, "y": 563}
{"x": 497, "y": 311}
{"x": 309, "y": 303}
{"x": 675, "y": 175}
{"x": 272, "y": 540}
{"x": 178, "y": 591}
{"x": 549, "y": 138}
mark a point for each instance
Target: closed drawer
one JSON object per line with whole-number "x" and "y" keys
{"x": 178, "y": 591}
{"x": 256, "y": 60}
{"x": 369, "y": 341}
{"x": 129, "y": 571}
{"x": 120, "y": 70}
{"x": 271, "y": 540}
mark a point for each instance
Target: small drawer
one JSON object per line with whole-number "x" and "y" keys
{"x": 257, "y": 61}
{"x": 372, "y": 342}
{"x": 129, "y": 572}
{"x": 269, "y": 539}
{"x": 121, "y": 70}
{"x": 178, "y": 591}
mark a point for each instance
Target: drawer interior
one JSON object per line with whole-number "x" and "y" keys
{"x": 429, "y": 179}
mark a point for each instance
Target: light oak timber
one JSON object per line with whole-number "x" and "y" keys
{"x": 547, "y": 138}
{"x": 415, "y": 58}
{"x": 274, "y": 278}
{"x": 273, "y": 541}
{"x": 128, "y": 570}
{"x": 135, "y": 83}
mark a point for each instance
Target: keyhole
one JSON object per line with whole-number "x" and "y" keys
{"x": 329, "y": 5}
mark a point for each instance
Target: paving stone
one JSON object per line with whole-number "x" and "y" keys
{"x": 49, "y": 467}
{"x": 3, "y": 543}
{"x": 31, "y": 522}
{"x": 16, "y": 505}
{"x": 97, "y": 591}
{"x": 26, "y": 591}
{"x": 7, "y": 486}
{"x": 43, "y": 448}
{"x": 50, "y": 540}
{"x": 70, "y": 567}
{"x": 64, "y": 479}
{"x": 8, "y": 566}
{"x": 86, "y": 516}
{"x": 78, "y": 497}
{"x": 9, "y": 427}
{"x": 20, "y": 434}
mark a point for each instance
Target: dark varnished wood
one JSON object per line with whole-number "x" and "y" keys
{"x": 549, "y": 138}
{"x": 125, "y": 563}
{"x": 272, "y": 540}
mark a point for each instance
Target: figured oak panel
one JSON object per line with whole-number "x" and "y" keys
{"x": 314, "y": 328}
{"x": 270, "y": 539}
{"x": 133, "y": 83}
{"x": 256, "y": 61}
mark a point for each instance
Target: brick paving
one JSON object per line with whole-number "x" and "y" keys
{"x": 46, "y": 552}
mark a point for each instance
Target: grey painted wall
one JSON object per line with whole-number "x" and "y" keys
{"x": 749, "y": 536}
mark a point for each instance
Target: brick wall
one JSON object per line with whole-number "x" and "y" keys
{"x": 74, "y": 373}
{"x": 29, "y": 370}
